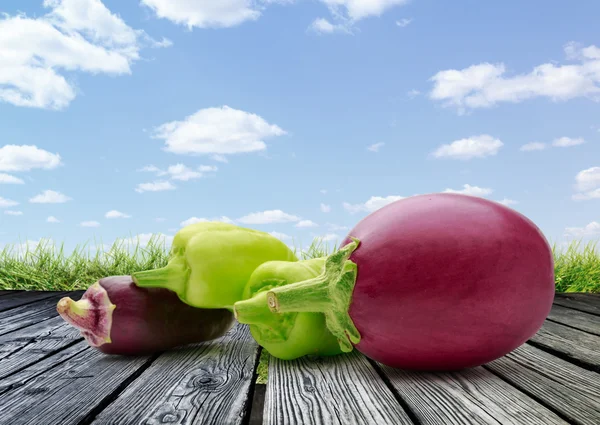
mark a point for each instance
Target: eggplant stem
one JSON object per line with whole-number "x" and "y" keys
{"x": 329, "y": 293}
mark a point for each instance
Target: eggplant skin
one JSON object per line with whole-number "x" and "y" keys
{"x": 149, "y": 320}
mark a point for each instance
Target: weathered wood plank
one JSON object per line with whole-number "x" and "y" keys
{"x": 18, "y": 299}
{"x": 8, "y": 292}
{"x": 471, "y": 396}
{"x": 343, "y": 389}
{"x": 590, "y": 303}
{"x": 30, "y": 314}
{"x": 568, "y": 389}
{"x": 24, "y": 347}
{"x": 575, "y": 345}
{"x": 68, "y": 393}
{"x": 200, "y": 384}
{"x": 21, "y": 377}
{"x": 577, "y": 319}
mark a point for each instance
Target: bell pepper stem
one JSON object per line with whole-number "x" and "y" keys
{"x": 174, "y": 276}
{"x": 329, "y": 293}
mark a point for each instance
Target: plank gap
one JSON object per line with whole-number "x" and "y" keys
{"x": 572, "y": 327}
{"x": 106, "y": 401}
{"x": 253, "y": 410}
{"x": 563, "y": 356}
{"x": 405, "y": 406}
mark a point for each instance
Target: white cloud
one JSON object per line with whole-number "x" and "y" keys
{"x": 336, "y": 227}
{"x": 15, "y": 213}
{"x": 219, "y": 158}
{"x": 565, "y": 142}
{"x": 323, "y": 26}
{"x": 587, "y": 183}
{"x": 205, "y": 14}
{"x": 220, "y": 131}
{"x": 592, "y": 229}
{"x": 89, "y": 224}
{"x": 480, "y": 146}
{"x": 508, "y": 202}
{"x": 471, "y": 190}
{"x": 156, "y": 186}
{"x": 75, "y": 35}
{"x": 533, "y": 146}
{"x": 485, "y": 85}
{"x": 267, "y": 217}
{"x": 281, "y": 236}
{"x": 323, "y": 191}
{"x": 180, "y": 172}
{"x": 404, "y": 22}
{"x": 325, "y": 208}
{"x": 25, "y": 157}
{"x": 360, "y": 9}
{"x": 143, "y": 240}
{"x": 50, "y": 197}
{"x": 150, "y": 169}
{"x": 329, "y": 237}
{"x": 373, "y": 203}
{"x": 8, "y": 179}
{"x": 193, "y": 220}
{"x": 116, "y": 214}
{"x": 52, "y": 219}
{"x": 306, "y": 223}
{"x": 160, "y": 219}
{"x": 375, "y": 147}
{"x": 413, "y": 93}
{"x": 208, "y": 168}
{"x": 30, "y": 246}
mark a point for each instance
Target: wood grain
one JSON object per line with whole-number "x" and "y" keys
{"x": 18, "y": 299}
{"x": 343, "y": 389}
{"x": 471, "y": 396}
{"x": 68, "y": 393}
{"x": 577, "y": 319}
{"x": 572, "y": 344}
{"x": 202, "y": 384}
{"x": 23, "y": 376}
{"x": 8, "y": 292}
{"x": 30, "y": 314}
{"x": 26, "y": 346}
{"x": 589, "y": 303}
{"x": 569, "y": 389}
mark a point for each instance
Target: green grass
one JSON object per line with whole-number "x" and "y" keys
{"x": 48, "y": 267}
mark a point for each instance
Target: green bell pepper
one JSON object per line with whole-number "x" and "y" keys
{"x": 285, "y": 335}
{"x": 211, "y": 262}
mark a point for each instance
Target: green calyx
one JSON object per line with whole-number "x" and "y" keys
{"x": 285, "y": 335}
{"x": 300, "y": 308}
{"x": 211, "y": 262}
{"x": 330, "y": 293}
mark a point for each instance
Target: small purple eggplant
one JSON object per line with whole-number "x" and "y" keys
{"x": 116, "y": 316}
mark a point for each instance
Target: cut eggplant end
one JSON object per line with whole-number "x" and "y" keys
{"x": 92, "y": 314}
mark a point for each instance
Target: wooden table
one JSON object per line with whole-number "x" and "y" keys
{"x": 49, "y": 376}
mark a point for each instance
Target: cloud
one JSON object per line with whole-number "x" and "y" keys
{"x": 281, "y": 236}
{"x": 328, "y": 237}
{"x": 157, "y": 186}
{"x": 160, "y": 219}
{"x": 533, "y": 146}
{"x": 356, "y": 10}
{"x": 221, "y": 131}
{"x": 8, "y": 179}
{"x": 323, "y": 191}
{"x": 193, "y": 220}
{"x": 323, "y": 26}
{"x": 52, "y": 219}
{"x": 480, "y": 146}
{"x": 14, "y": 213}
{"x": 404, "y": 22}
{"x": 485, "y": 85}
{"x": 413, "y": 93}
{"x": 372, "y": 204}
{"x": 325, "y": 208}
{"x": 75, "y": 35}
{"x": 306, "y": 223}
{"x": 471, "y": 190}
{"x": 89, "y": 224}
{"x": 566, "y": 142}
{"x": 116, "y": 214}
{"x": 25, "y": 157}
{"x": 508, "y": 202}
{"x": 268, "y": 217}
{"x": 180, "y": 171}
{"x": 592, "y": 229}
{"x": 587, "y": 183}
{"x": 50, "y": 197}
{"x": 375, "y": 147}
{"x": 31, "y": 246}
{"x": 219, "y": 158}
{"x": 335, "y": 227}
{"x": 144, "y": 239}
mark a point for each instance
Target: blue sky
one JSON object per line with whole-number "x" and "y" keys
{"x": 123, "y": 119}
